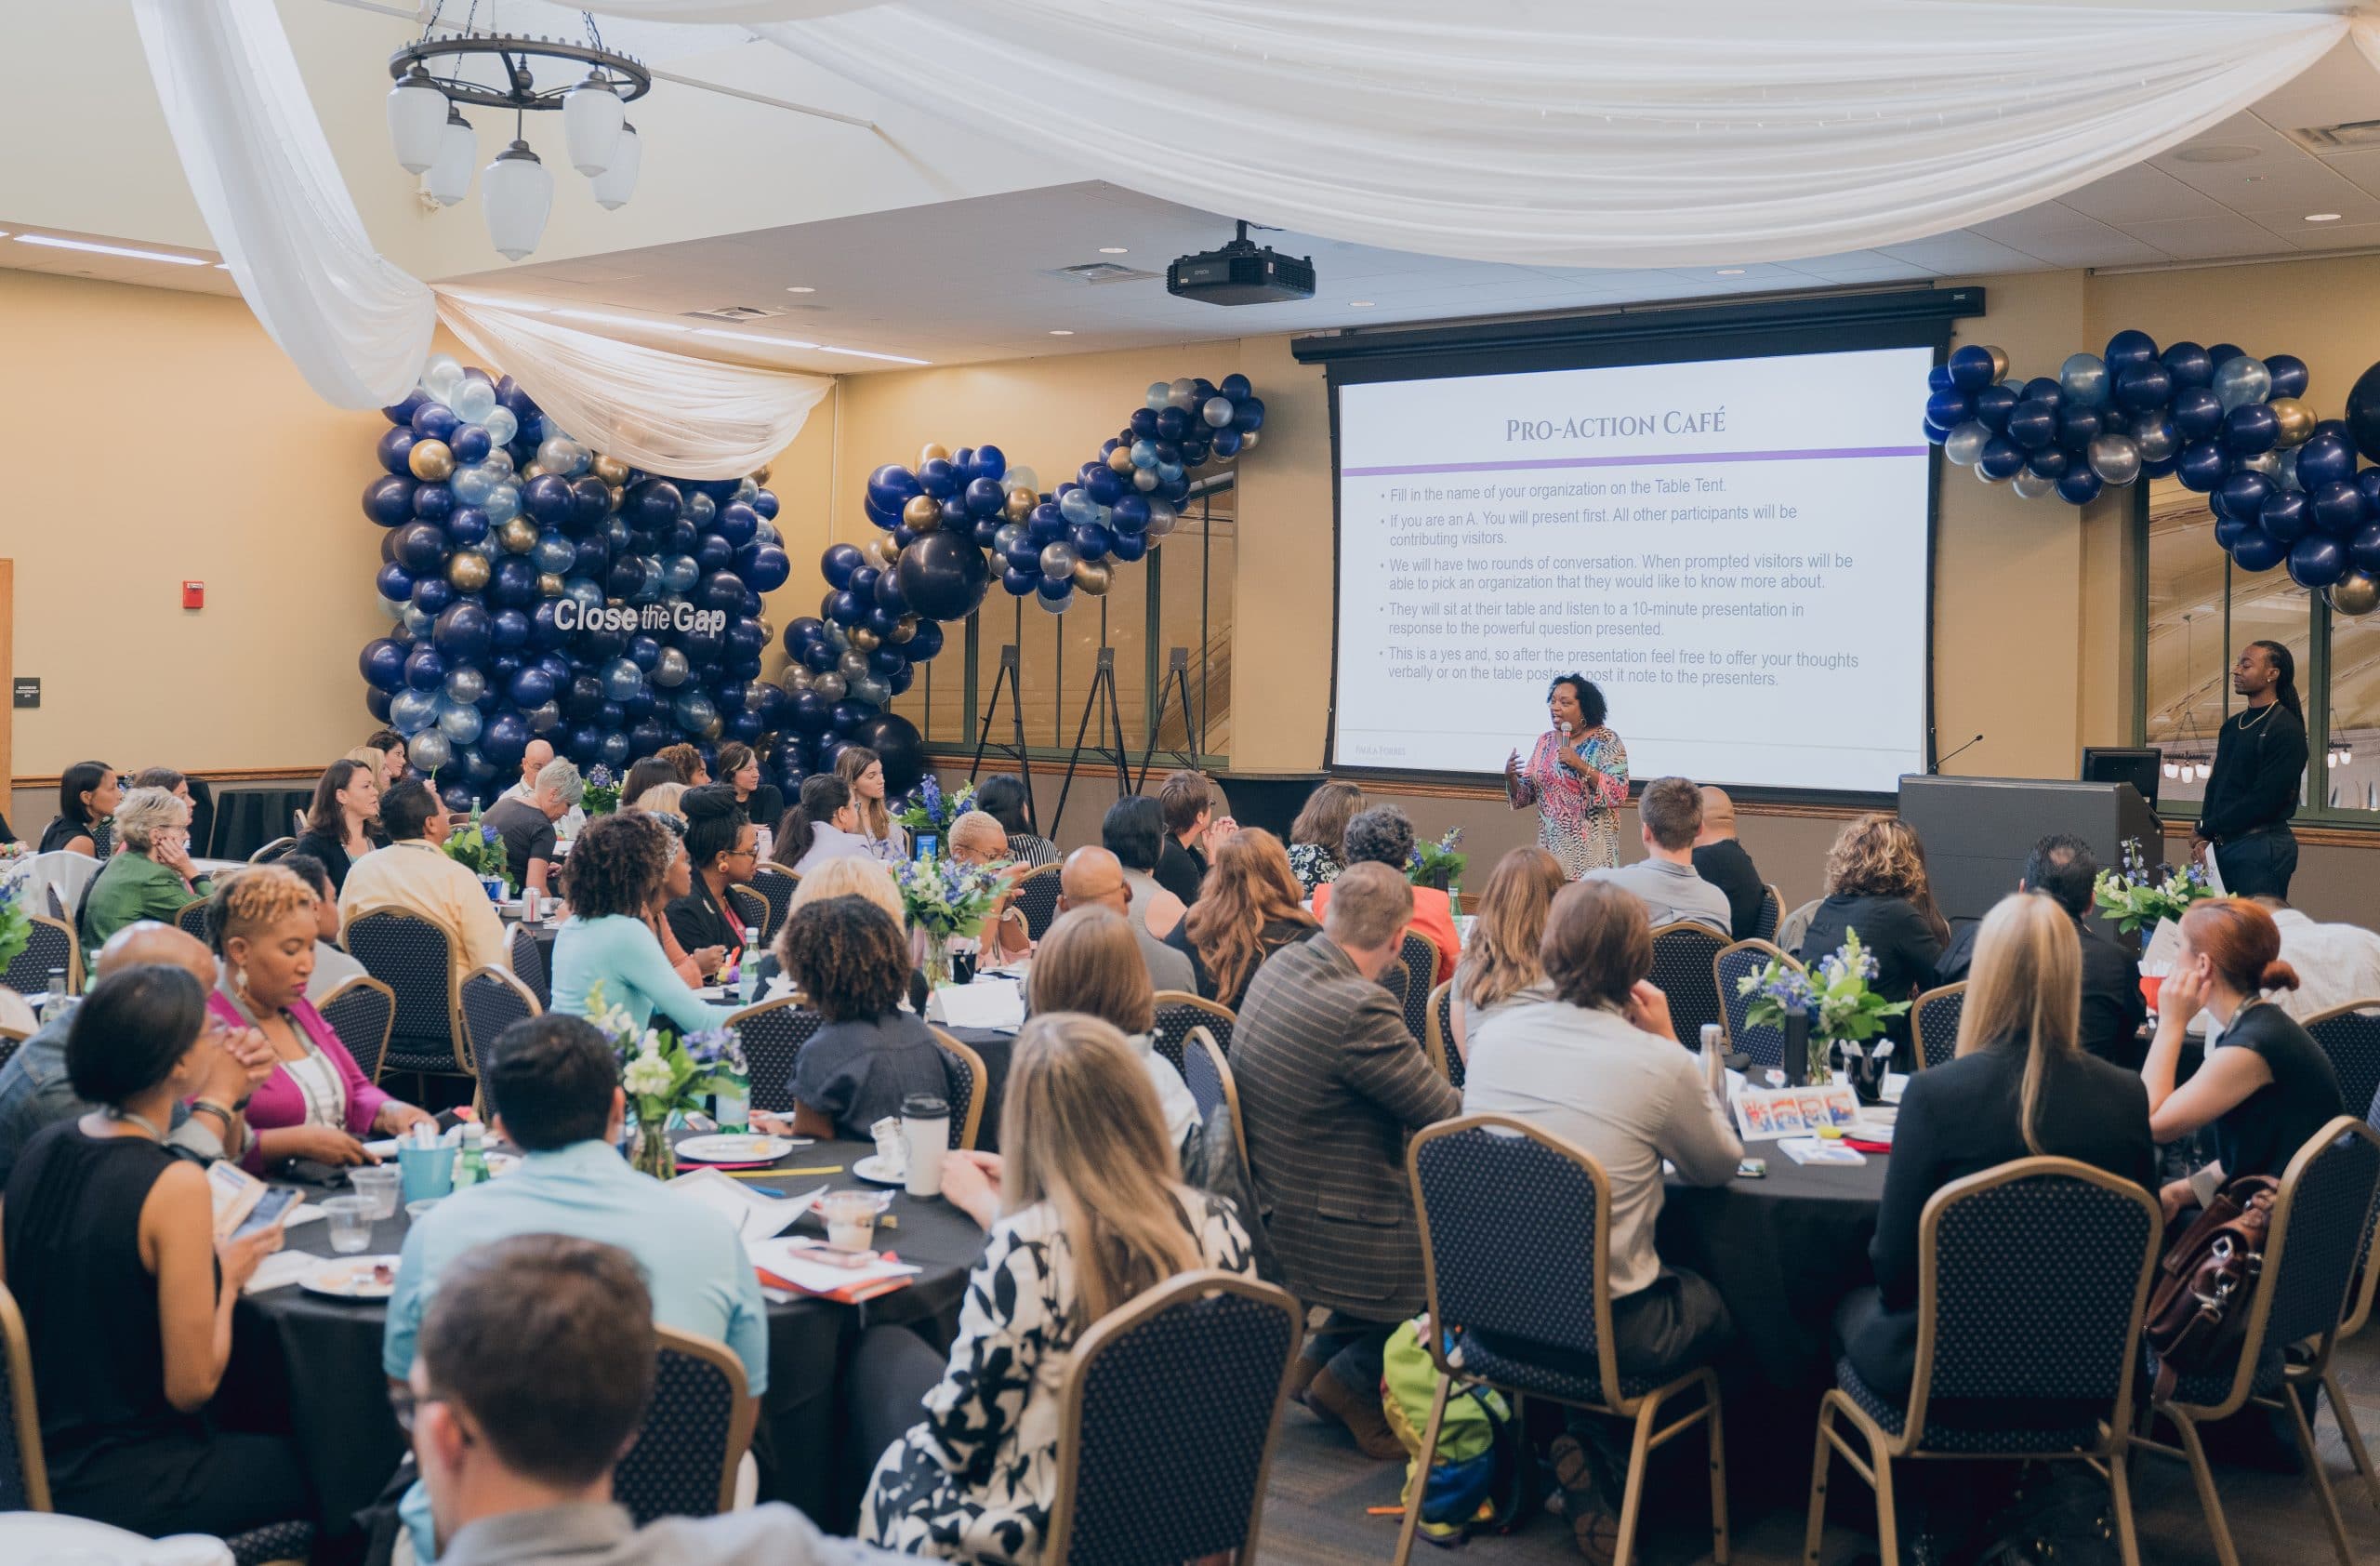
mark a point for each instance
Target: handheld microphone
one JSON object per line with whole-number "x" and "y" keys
{"x": 1957, "y": 753}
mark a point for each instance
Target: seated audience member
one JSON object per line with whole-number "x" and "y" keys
{"x": 1669, "y": 816}
{"x": 164, "y": 778}
{"x": 37, "y": 1091}
{"x": 530, "y": 1379}
{"x": 1188, "y": 801}
{"x": 1002, "y": 798}
{"x": 414, "y": 875}
{"x": 861, "y": 771}
{"x": 852, "y": 963}
{"x": 618, "y": 870}
{"x": 978, "y": 841}
{"x": 339, "y": 826}
{"x": 528, "y": 826}
{"x": 1383, "y": 836}
{"x": 823, "y": 825}
{"x": 333, "y": 966}
{"x": 865, "y": 878}
{"x": 1500, "y": 966}
{"x": 1093, "y": 1214}
{"x": 686, "y": 763}
{"x": 1089, "y": 963}
{"x": 1321, "y": 831}
{"x": 150, "y": 875}
{"x": 2061, "y": 867}
{"x": 316, "y": 1104}
{"x": 739, "y": 768}
{"x": 2020, "y": 1087}
{"x": 665, "y": 798}
{"x": 1095, "y": 878}
{"x": 534, "y": 758}
{"x": 1250, "y": 911}
{"x": 88, "y": 795}
{"x": 650, "y": 773}
{"x": 2266, "y": 1086}
{"x": 127, "y": 1297}
{"x": 389, "y": 747}
{"x": 553, "y": 1090}
{"x": 2336, "y": 963}
{"x": 1133, "y": 831}
{"x": 1595, "y": 1064}
{"x": 1721, "y": 860}
{"x": 1330, "y": 1085}
{"x": 1875, "y": 884}
{"x": 678, "y": 880}
{"x": 721, "y": 846}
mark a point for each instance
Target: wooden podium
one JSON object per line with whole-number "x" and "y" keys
{"x": 1979, "y": 831}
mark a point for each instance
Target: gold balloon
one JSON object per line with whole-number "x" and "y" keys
{"x": 518, "y": 535}
{"x": 760, "y": 476}
{"x": 468, "y": 573}
{"x": 864, "y": 639}
{"x": 768, "y": 630}
{"x": 1021, "y": 503}
{"x": 1120, "y": 459}
{"x": 904, "y": 629}
{"x": 613, "y": 496}
{"x": 2355, "y": 593}
{"x": 532, "y": 470}
{"x": 430, "y": 460}
{"x": 1247, "y": 441}
{"x": 922, "y": 515}
{"x": 2296, "y": 420}
{"x": 716, "y": 727}
{"x": 550, "y": 586}
{"x": 1998, "y": 362}
{"x": 933, "y": 449}
{"x": 1094, "y": 576}
{"x": 881, "y": 551}
{"x": 611, "y": 470}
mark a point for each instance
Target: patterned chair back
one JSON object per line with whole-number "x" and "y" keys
{"x": 777, "y": 884}
{"x": 1420, "y": 956}
{"x": 772, "y": 1034}
{"x": 57, "y": 879}
{"x": 363, "y": 1012}
{"x": 1199, "y": 1366}
{"x": 1026, "y": 849}
{"x": 192, "y": 919}
{"x": 1477, "y": 1181}
{"x": 1730, "y": 968}
{"x": 1207, "y": 1073}
{"x": 2326, "y": 1199}
{"x": 492, "y": 1001}
{"x": 1934, "y": 1023}
{"x": 754, "y": 908}
{"x": 1037, "y": 898}
{"x": 273, "y": 852}
{"x": 57, "y": 905}
{"x": 1178, "y": 1012}
{"x": 1682, "y": 958}
{"x": 414, "y": 958}
{"x": 695, "y": 1433}
{"x": 2036, "y": 1275}
{"x": 24, "y": 1481}
{"x": 50, "y": 944}
{"x": 529, "y": 965}
{"x": 2350, "y": 1036}
{"x": 963, "y": 1068}
{"x": 1438, "y": 1042}
{"x": 1772, "y": 914}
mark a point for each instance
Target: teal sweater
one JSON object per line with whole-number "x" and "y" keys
{"x": 625, "y": 957}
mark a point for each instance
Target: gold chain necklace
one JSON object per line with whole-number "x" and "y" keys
{"x": 2244, "y": 723}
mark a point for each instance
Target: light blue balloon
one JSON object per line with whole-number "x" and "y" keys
{"x": 2264, "y": 462}
{"x": 745, "y": 489}
{"x": 500, "y": 425}
{"x": 410, "y": 712}
{"x": 417, "y": 620}
{"x": 1143, "y": 453}
{"x": 503, "y": 503}
{"x": 500, "y": 462}
{"x": 679, "y": 573}
{"x": 582, "y": 591}
{"x": 460, "y": 724}
{"x": 2085, "y": 378}
{"x": 767, "y": 534}
{"x": 562, "y": 454}
{"x": 1168, "y": 472}
{"x": 472, "y": 485}
{"x": 464, "y": 686}
{"x": 2288, "y": 473}
{"x": 1076, "y": 506}
{"x": 429, "y": 750}
{"x": 622, "y": 679}
{"x": 871, "y": 690}
{"x": 1145, "y": 480}
{"x": 700, "y": 508}
{"x": 696, "y": 711}
{"x": 1160, "y": 395}
{"x": 392, "y": 608}
{"x": 554, "y": 554}
{"x": 473, "y": 401}
{"x": 2240, "y": 381}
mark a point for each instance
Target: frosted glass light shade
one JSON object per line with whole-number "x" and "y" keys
{"x": 591, "y": 118}
{"x": 416, "y": 120}
{"x": 449, "y": 179}
{"x": 516, "y": 193}
{"x": 617, "y": 182}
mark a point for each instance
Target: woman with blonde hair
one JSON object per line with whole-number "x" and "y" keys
{"x": 1499, "y": 963}
{"x": 152, "y": 877}
{"x": 861, "y": 771}
{"x": 1317, "y": 836}
{"x": 663, "y": 799}
{"x": 1093, "y": 1213}
{"x": 1091, "y": 962}
{"x": 1247, "y": 909}
{"x": 1876, "y": 884}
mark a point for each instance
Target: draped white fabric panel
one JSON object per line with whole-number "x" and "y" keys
{"x": 1606, "y": 133}
{"x": 356, "y": 326}
{"x": 665, "y": 413}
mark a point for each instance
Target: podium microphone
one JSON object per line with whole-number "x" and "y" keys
{"x": 1956, "y": 754}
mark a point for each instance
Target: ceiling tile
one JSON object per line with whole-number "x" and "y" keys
{"x": 2138, "y": 195}
{"x": 1961, "y": 252}
{"x": 2207, "y": 238}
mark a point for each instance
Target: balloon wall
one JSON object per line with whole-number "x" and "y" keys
{"x": 2282, "y": 485}
{"x": 538, "y": 587}
{"x": 950, "y": 526}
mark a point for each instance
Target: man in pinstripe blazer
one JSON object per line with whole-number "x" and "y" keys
{"x": 1330, "y": 1084}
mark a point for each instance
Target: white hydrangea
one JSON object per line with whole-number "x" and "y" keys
{"x": 647, "y": 1076}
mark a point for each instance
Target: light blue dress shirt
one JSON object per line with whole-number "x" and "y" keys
{"x": 626, "y": 958}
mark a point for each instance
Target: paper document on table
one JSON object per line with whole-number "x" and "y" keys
{"x": 1818, "y": 1149}
{"x": 2164, "y": 943}
{"x": 280, "y": 1271}
{"x": 993, "y": 1004}
{"x": 755, "y": 1216}
{"x": 795, "y": 1262}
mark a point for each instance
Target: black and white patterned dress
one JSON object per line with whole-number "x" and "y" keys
{"x": 975, "y": 1481}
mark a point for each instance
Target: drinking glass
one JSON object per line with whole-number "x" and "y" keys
{"x": 380, "y": 1182}
{"x": 350, "y": 1222}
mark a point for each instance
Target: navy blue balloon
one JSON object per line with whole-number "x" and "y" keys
{"x": 504, "y": 739}
{"x": 845, "y": 608}
{"x": 1934, "y": 434}
{"x": 986, "y": 462}
{"x": 2228, "y": 531}
{"x": 1045, "y": 525}
{"x": 2128, "y": 348}
{"x": 765, "y": 502}
{"x": 821, "y": 656}
{"x": 925, "y": 642}
{"x": 956, "y": 517}
{"x": 2338, "y": 510}
{"x": 1970, "y": 368}
{"x": 2001, "y": 458}
{"x": 2289, "y": 374}
{"x": 1144, "y": 422}
{"x": 889, "y": 596}
{"x": 738, "y": 524}
{"x": 714, "y": 555}
{"x": 514, "y": 582}
{"x": 722, "y": 591}
{"x": 1057, "y": 591}
{"x": 401, "y": 411}
{"x": 2045, "y": 389}
{"x": 2250, "y": 428}
{"x": 2032, "y": 423}
{"x": 395, "y": 451}
{"x": 888, "y": 488}
{"x": 1951, "y": 408}
{"x": 1991, "y": 408}
{"x": 1092, "y": 540}
{"x": 462, "y": 633}
{"x": 887, "y": 661}
{"x": 2197, "y": 414}
{"x": 2325, "y": 458}
{"x": 424, "y": 668}
{"x": 2224, "y": 352}
{"x": 394, "y": 583}
{"x": 593, "y": 560}
{"x": 987, "y": 530}
{"x": 2245, "y": 494}
{"x": 509, "y": 627}
{"x": 470, "y": 443}
{"x": 1128, "y": 546}
{"x": 1131, "y": 515}
{"x": 837, "y": 565}
{"x": 2285, "y": 515}
{"x": 2080, "y": 487}
{"x": 591, "y": 502}
{"x": 2144, "y": 385}
{"x": 744, "y": 639}
{"x": 2259, "y": 551}
{"x": 532, "y": 688}
{"x": 2187, "y": 364}
{"x": 1936, "y": 380}
{"x": 1018, "y": 581}
{"x": 383, "y": 664}
{"x": 1171, "y": 424}
{"x": 849, "y": 715}
{"x": 770, "y": 569}
{"x": 1247, "y": 414}
{"x": 2316, "y": 561}
{"x": 863, "y": 582}
{"x": 2078, "y": 427}
{"x": 2364, "y": 548}
{"x": 434, "y": 421}
{"x": 434, "y": 502}
{"x": 546, "y": 499}
{"x": 1024, "y": 554}
{"x": 943, "y": 576}
{"x": 389, "y": 500}
{"x": 984, "y": 496}
{"x": 582, "y": 700}
{"x": 938, "y": 478}
{"x": 418, "y": 547}
{"x": 1105, "y": 485}
{"x": 466, "y": 525}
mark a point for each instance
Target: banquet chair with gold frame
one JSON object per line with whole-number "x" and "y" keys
{"x": 1437, "y": 1041}
{"x": 2349, "y": 1035}
{"x": 777, "y": 884}
{"x": 1685, "y": 968}
{"x": 757, "y": 912}
{"x": 1419, "y": 955}
{"x": 964, "y": 1071}
{"x": 1934, "y": 1024}
{"x": 1178, "y": 1012}
{"x": 1764, "y": 1044}
{"x": 700, "y": 1407}
{"x": 413, "y": 957}
{"x": 273, "y": 852}
{"x": 491, "y": 1000}
{"x": 1207, "y": 1074}
{"x": 191, "y": 920}
{"x": 1036, "y": 894}
{"x": 50, "y": 943}
{"x": 1772, "y": 914}
{"x": 2032, "y": 1280}
{"x": 772, "y": 1033}
{"x": 529, "y": 963}
{"x": 363, "y": 1012}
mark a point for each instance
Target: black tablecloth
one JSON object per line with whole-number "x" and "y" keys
{"x": 326, "y": 1353}
{"x": 251, "y": 815}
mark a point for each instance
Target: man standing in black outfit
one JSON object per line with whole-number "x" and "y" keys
{"x": 2259, "y": 771}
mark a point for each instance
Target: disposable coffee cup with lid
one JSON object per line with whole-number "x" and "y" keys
{"x": 925, "y": 1134}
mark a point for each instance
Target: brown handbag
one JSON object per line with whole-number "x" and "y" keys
{"x": 2199, "y": 1311}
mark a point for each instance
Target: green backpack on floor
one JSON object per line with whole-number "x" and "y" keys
{"x": 1483, "y": 1479}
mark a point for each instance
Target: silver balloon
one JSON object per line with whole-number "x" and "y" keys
{"x": 828, "y": 686}
{"x": 1965, "y": 442}
{"x": 544, "y": 719}
{"x": 472, "y": 485}
{"x": 852, "y": 665}
{"x": 1058, "y": 561}
{"x": 2032, "y": 485}
{"x": 672, "y": 670}
{"x": 429, "y": 750}
{"x": 503, "y": 503}
{"x": 562, "y": 454}
{"x": 464, "y": 686}
{"x": 796, "y": 678}
{"x": 2115, "y": 458}
{"x": 459, "y": 724}
{"x": 2240, "y": 381}
{"x": 1056, "y": 605}
{"x": 1162, "y": 518}
{"x": 2155, "y": 435}
{"x": 499, "y": 461}
{"x": 1183, "y": 395}
{"x": 2084, "y": 380}
{"x": 501, "y": 426}
{"x": 1217, "y": 412}
{"x": 2355, "y": 593}
{"x": 1145, "y": 480}
{"x": 2264, "y": 462}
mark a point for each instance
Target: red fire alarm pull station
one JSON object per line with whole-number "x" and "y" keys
{"x": 194, "y": 595}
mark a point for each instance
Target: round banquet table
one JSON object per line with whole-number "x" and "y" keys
{"x": 323, "y": 1355}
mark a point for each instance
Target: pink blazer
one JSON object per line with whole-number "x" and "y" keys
{"x": 278, "y": 1104}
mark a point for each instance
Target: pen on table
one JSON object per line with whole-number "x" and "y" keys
{"x": 774, "y": 1173}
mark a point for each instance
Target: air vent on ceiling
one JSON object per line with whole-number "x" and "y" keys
{"x": 734, "y": 312}
{"x": 2354, "y": 136}
{"x": 1103, "y": 272}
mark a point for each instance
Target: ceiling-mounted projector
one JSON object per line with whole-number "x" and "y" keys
{"x": 1241, "y": 273}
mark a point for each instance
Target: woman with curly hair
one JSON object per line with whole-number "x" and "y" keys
{"x": 852, "y": 960}
{"x": 1247, "y": 909}
{"x": 1501, "y": 962}
{"x": 1382, "y": 835}
{"x": 616, "y": 871}
{"x": 1875, "y": 884}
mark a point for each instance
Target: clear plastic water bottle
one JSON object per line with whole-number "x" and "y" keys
{"x": 470, "y": 1165}
{"x": 748, "y": 969}
{"x": 731, "y": 1099}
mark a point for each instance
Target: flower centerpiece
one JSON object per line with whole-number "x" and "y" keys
{"x": 664, "y": 1075}
{"x": 602, "y": 795}
{"x": 928, "y": 812}
{"x": 945, "y": 898}
{"x": 1437, "y": 864}
{"x": 15, "y": 925}
{"x": 2142, "y": 895}
{"x": 1836, "y": 1000}
{"x": 479, "y": 848}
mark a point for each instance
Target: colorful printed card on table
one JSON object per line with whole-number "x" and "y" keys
{"x": 1765, "y": 1114}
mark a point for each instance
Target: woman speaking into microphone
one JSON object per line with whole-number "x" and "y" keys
{"x": 1577, "y": 776}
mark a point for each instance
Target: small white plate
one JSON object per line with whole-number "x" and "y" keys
{"x": 874, "y": 1168}
{"x": 733, "y": 1147}
{"x": 350, "y": 1278}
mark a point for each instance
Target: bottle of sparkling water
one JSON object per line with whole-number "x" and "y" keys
{"x": 471, "y": 1165}
{"x": 747, "y": 969}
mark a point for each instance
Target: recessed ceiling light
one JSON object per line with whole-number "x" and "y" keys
{"x": 1359, "y": 304}
{"x": 1060, "y": 332}
{"x": 56, "y": 243}
{"x": 636, "y": 322}
{"x": 2322, "y": 217}
{"x": 1731, "y": 271}
{"x": 1113, "y": 250}
{"x": 798, "y": 288}
{"x": 750, "y": 337}
{"x": 864, "y": 354}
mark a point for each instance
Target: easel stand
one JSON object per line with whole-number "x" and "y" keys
{"x": 1015, "y": 750}
{"x": 1177, "y": 678}
{"x": 1103, "y": 683}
